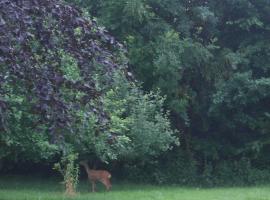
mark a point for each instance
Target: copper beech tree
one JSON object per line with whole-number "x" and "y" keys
{"x": 65, "y": 88}
{"x": 43, "y": 43}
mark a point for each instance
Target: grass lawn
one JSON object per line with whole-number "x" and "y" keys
{"x": 21, "y": 188}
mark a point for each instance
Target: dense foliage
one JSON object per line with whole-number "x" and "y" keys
{"x": 66, "y": 90}
{"x": 211, "y": 59}
{"x": 39, "y": 40}
{"x": 66, "y": 87}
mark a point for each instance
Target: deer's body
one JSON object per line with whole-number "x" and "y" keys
{"x": 97, "y": 175}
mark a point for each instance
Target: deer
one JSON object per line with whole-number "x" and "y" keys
{"x": 97, "y": 175}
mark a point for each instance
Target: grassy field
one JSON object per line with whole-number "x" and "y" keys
{"x": 21, "y": 188}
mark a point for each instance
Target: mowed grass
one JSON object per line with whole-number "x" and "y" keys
{"x": 25, "y": 188}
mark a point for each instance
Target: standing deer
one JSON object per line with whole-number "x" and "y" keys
{"x": 97, "y": 175}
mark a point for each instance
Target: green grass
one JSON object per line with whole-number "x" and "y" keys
{"x": 21, "y": 188}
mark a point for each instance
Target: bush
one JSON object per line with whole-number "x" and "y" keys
{"x": 178, "y": 168}
{"x": 239, "y": 173}
{"x": 170, "y": 168}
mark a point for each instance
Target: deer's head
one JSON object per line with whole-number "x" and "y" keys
{"x": 83, "y": 163}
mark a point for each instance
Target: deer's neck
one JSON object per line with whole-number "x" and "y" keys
{"x": 87, "y": 169}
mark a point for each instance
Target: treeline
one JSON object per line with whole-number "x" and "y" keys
{"x": 68, "y": 88}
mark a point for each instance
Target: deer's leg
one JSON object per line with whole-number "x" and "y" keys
{"x": 93, "y": 186}
{"x": 109, "y": 185}
{"x": 106, "y": 183}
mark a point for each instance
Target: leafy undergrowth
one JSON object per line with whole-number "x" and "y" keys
{"x": 23, "y": 188}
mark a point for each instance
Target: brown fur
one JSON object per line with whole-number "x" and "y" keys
{"x": 97, "y": 175}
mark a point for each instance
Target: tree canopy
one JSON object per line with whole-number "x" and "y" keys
{"x": 65, "y": 87}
